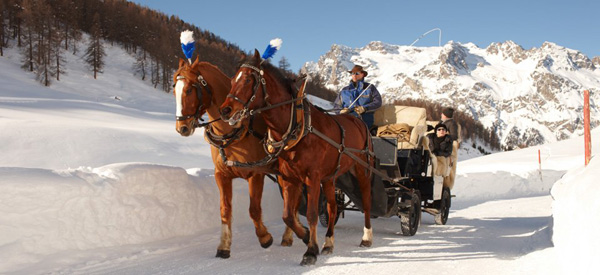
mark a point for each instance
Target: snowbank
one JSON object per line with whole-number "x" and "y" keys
{"x": 516, "y": 174}
{"x": 44, "y": 212}
{"x": 576, "y": 209}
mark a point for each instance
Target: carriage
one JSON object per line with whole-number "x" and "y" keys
{"x": 404, "y": 183}
{"x": 296, "y": 131}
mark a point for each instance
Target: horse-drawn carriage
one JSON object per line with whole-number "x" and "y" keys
{"x": 405, "y": 184}
{"x": 301, "y": 141}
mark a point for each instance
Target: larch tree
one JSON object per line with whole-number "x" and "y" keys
{"x": 94, "y": 55}
{"x": 284, "y": 64}
{"x": 28, "y": 37}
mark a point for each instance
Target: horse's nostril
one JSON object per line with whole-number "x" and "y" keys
{"x": 225, "y": 111}
{"x": 183, "y": 129}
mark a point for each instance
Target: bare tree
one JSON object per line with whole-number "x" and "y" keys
{"x": 141, "y": 63}
{"x": 27, "y": 55}
{"x": 284, "y": 65}
{"x": 155, "y": 72}
{"x": 94, "y": 55}
{"x": 3, "y": 16}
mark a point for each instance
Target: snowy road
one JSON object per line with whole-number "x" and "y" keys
{"x": 492, "y": 236}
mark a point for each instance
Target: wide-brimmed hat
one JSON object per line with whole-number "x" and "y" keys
{"x": 358, "y": 68}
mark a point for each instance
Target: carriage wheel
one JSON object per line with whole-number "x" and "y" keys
{"x": 442, "y": 217}
{"x": 324, "y": 215}
{"x": 411, "y": 218}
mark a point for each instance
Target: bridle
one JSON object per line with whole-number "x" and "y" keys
{"x": 258, "y": 74}
{"x": 200, "y": 85}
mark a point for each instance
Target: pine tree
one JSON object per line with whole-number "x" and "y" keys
{"x": 94, "y": 55}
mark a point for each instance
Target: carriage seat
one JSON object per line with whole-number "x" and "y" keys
{"x": 390, "y": 118}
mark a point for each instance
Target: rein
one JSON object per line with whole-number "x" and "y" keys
{"x": 271, "y": 144}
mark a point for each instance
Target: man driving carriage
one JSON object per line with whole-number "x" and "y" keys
{"x": 359, "y": 98}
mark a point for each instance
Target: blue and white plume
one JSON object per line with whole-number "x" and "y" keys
{"x": 272, "y": 48}
{"x": 187, "y": 44}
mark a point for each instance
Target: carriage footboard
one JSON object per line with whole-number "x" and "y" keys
{"x": 379, "y": 199}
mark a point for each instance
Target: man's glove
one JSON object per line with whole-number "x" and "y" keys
{"x": 359, "y": 109}
{"x": 344, "y": 111}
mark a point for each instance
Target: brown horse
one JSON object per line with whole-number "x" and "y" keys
{"x": 298, "y": 133}
{"x": 199, "y": 88}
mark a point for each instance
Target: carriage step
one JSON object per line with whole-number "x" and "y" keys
{"x": 431, "y": 211}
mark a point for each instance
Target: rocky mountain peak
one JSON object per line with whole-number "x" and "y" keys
{"x": 508, "y": 50}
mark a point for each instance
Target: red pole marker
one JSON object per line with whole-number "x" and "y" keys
{"x": 586, "y": 126}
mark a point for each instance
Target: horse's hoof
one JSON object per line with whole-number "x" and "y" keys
{"x": 268, "y": 243}
{"x": 364, "y": 243}
{"x": 223, "y": 254}
{"x": 308, "y": 259}
{"x": 327, "y": 250}
{"x": 287, "y": 243}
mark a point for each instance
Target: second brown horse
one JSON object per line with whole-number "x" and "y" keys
{"x": 304, "y": 156}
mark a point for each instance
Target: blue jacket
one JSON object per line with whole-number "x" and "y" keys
{"x": 370, "y": 100}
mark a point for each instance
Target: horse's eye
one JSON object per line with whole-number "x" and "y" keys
{"x": 247, "y": 80}
{"x": 188, "y": 91}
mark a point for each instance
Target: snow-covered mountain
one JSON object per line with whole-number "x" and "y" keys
{"x": 528, "y": 97}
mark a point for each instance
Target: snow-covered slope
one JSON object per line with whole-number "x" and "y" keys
{"x": 528, "y": 97}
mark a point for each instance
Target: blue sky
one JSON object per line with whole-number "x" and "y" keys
{"x": 309, "y": 28}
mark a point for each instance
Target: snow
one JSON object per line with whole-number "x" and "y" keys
{"x": 92, "y": 184}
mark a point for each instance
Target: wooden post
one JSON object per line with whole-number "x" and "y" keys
{"x": 586, "y": 126}
{"x": 540, "y": 165}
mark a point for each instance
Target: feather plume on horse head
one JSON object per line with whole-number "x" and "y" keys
{"x": 187, "y": 44}
{"x": 272, "y": 48}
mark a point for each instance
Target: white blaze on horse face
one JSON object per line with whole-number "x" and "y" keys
{"x": 237, "y": 78}
{"x": 179, "y": 97}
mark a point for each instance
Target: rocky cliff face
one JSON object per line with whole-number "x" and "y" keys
{"x": 528, "y": 97}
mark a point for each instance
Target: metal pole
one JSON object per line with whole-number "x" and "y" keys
{"x": 586, "y": 126}
{"x": 423, "y": 35}
{"x": 540, "y": 164}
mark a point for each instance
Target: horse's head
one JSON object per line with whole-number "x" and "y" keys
{"x": 193, "y": 96}
{"x": 248, "y": 92}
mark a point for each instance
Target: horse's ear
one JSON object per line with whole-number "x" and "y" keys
{"x": 181, "y": 62}
{"x": 257, "y": 57}
{"x": 197, "y": 60}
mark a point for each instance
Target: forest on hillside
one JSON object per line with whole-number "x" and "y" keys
{"x": 46, "y": 30}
